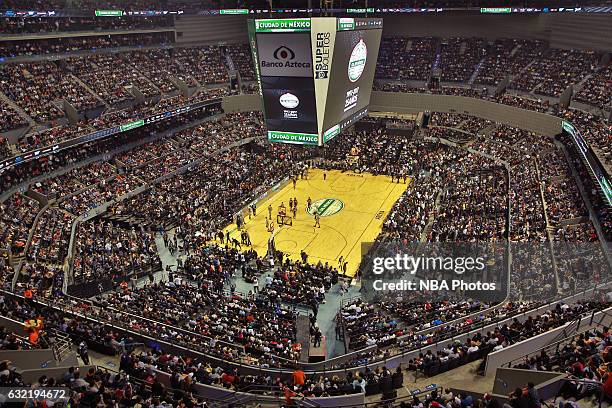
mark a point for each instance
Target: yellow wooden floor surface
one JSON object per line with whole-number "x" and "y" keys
{"x": 366, "y": 200}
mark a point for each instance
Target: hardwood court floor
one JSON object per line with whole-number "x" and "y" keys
{"x": 353, "y": 208}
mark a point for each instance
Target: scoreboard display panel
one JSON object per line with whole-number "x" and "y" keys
{"x": 353, "y": 68}
{"x": 315, "y": 74}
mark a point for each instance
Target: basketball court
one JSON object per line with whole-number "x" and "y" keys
{"x": 352, "y": 209}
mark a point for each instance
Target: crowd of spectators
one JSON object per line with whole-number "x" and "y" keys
{"x": 455, "y": 195}
{"x": 467, "y": 123}
{"x": 555, "y": 71}
{"x": 50, "y": 237}
{"x": 5, "y": 149}
{"x": 9, "y": 120}
{"x": 532, "y": 65}
{"x": 184, "y": 372}
{"x": 596, "y": 90}
{"x": 502, "y": 336}
{"x": 261, "y": 330}
{"x": 366, "y": 325}
{"x": 59, "y": 133}
{"x": 104, "y": 191}
{"x": 301, "y": 283}
{"x": 121, "y": 142}
{"x": 42, "y": 279}
{"x": 33, "y": 25}
{"x": 74, "y": 180}
{"x": 39, "y": 89}
{"x": 475, "y": 208}
{"x": 369, "y": 324}
{"x": 447, "y": 119}
{"x": 584, "y": 357}
{"x": 17, "y": 216}
{"x": 204, "y": 64}
{"x": 52, "y": 135}
{"x": 11, "y": 341}
{"x": 560, "y": 191}
{"x": 106, "y": 251}
{"x": 537, "y": 105}
{"x": 7, "y": 272}
{"x": 240, "y": 55}
{"x": 110, "y": 78}
{"x": 508, "y": 57}
{"x": 459, "y": 58}
{"x": 402, "y": 58}
{"x": 52, "y": 46}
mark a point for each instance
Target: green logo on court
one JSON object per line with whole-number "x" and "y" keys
{"x": 326, "y": 207}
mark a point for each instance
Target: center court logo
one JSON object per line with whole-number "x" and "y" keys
{"x": 357, "y": 61}
{"x": 326, "y": 207}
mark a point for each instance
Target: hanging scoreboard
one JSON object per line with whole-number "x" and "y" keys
{"x": 315, "y": 74}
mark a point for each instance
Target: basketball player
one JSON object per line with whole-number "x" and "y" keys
{"x": 294, "y": 182}
{"x": 324, "y": 176}
{"x": 317, "y": 218}
{"x": 291, "y": 204}
{"x": 270, "y": 211}
{"x": 294, "y": 210}
{"x": 308, "y": 204}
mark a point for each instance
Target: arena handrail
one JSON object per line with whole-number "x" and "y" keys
{"x": 556, "y": 344}
{"x": 492, "y": 361}
{"x": 208, "y": 338}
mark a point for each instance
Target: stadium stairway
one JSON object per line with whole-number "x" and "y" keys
{"x": 477, "y": 70}
{"x": 430, "y": 221}
{"x": 303, "y": 336}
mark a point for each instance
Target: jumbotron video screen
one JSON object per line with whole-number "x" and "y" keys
{"x": 315, "y": 74}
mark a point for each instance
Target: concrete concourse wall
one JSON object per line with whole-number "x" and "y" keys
{"x": 562, "y": 30}
{"x": 541, "y": 123}
{"x": 241, "y": 103}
